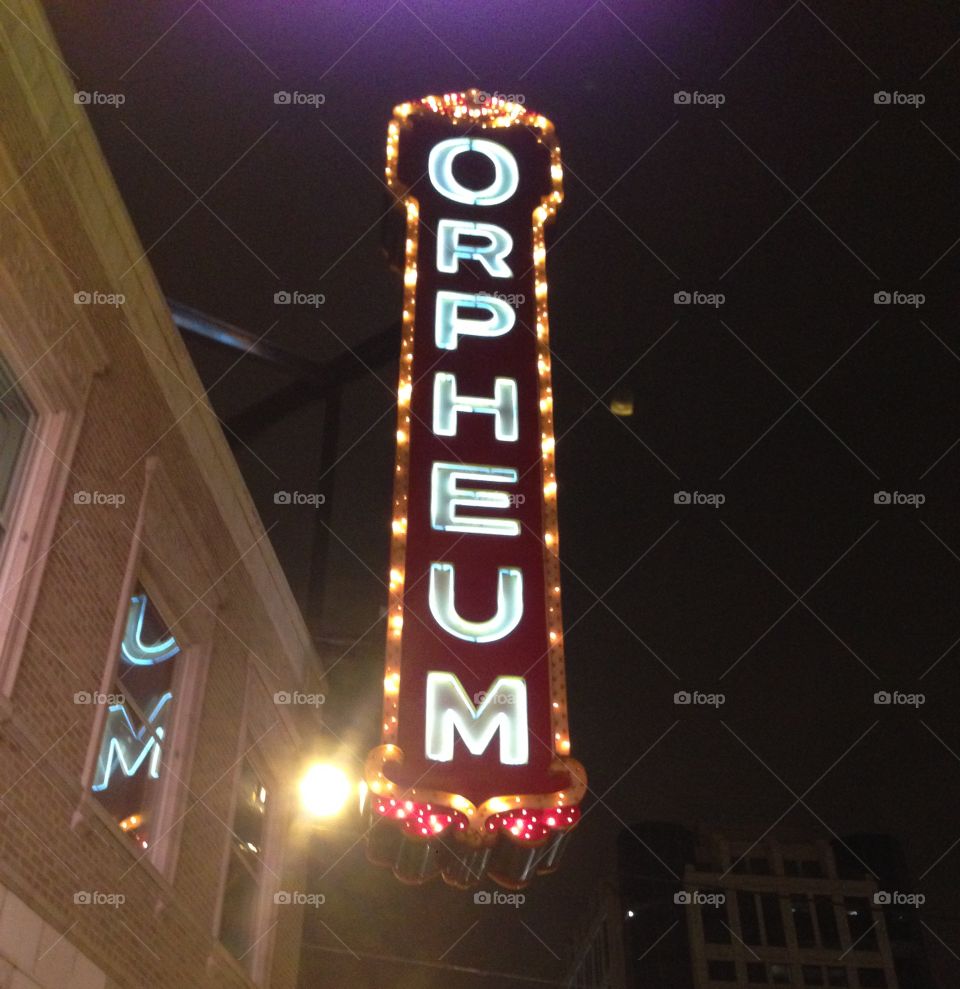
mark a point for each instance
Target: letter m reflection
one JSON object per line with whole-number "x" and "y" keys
{"x": 450, "y": 711}
{"x": 128, "y": 748}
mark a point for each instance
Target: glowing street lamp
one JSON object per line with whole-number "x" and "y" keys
{"x": 324, "y": 790}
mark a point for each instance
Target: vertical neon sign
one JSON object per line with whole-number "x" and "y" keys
{"x": 475, "y": 740}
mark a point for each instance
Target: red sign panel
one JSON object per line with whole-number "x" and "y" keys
{"x": 475, "y": 742}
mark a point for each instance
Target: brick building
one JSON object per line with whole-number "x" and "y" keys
{"x": 707, "y": 910}
{"x": 149, "y": 642}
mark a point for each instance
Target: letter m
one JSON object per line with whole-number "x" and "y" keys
{"x": 503, "y": 710}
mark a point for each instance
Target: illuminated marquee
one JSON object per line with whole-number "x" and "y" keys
{"x": 475, "y": 743}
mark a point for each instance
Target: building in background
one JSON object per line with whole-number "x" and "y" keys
{"x": 708, "y": 910}
{"x": 152, "y": 657}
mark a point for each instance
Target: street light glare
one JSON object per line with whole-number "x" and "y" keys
{"x": 324, "y": 790}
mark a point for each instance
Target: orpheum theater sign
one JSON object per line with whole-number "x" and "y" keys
{"x": 474, "y": 774}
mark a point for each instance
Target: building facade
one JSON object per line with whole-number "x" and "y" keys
{"x": 151, "y": 653}
{"x": 705, "y": 910}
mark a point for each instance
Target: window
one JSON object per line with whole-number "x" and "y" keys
{"x": 802, "y": 921}
{"x": 242, "y": 899}
{"x": 826, "y": 921}
{"x": 756, "y": 972}
{"x": 721, "y": 971}
{"x": 780, "y": 974}
{"x": 129, "y": 766}
{"x": 837, "y": 976}
{"x": 812, "y": 975}
{"x": 772, "y": 919}
{"x": 758, "y": 865}
{"x": 872, "y": 978}
{"x": 862, "y": 925}
{"x": 807, "y": 868}
{"x": 749, "y": 918}
{"x": 16, "y": 422}
{"x": 714, "y": 919}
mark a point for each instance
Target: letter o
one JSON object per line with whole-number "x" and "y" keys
{"x": 506, "y": 174}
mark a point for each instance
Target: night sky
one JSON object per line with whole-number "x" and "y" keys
{"x": 797, "y": 397}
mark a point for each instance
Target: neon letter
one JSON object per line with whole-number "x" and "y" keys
{"x": 446, "y": 497}
{"x": 506, "y": 174}
{"x": 509, "y": 605}
{"x": 132, "y": 647}
{"x": 447, "y": 403}
{"x": 121, "y": 742}
{"x": 491, "y": 255}
{"x": 450, "y": 324}
{"x": 504, "y": 709}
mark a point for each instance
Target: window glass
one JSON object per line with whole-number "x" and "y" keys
{"x": 715, "y": 930}
{"x": 780, "y": 974}
{"x": 749, "y": 919}
{"x": 863, "y": 931}
{"x": 756, "y": 972}
{"x": 239, "y": 920}
{"x": 827, "y": 922}
{"x": 802, "y": 921}
{"x": 16, "y": 420}
{"x": 721, "y": 971}
{"x": 837, "y": 976}
{"x": 872, "y": 978}
{"x": 812, "y": 975}
{"x": 129, "y": 767}
{"x": 773, "y": 919}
